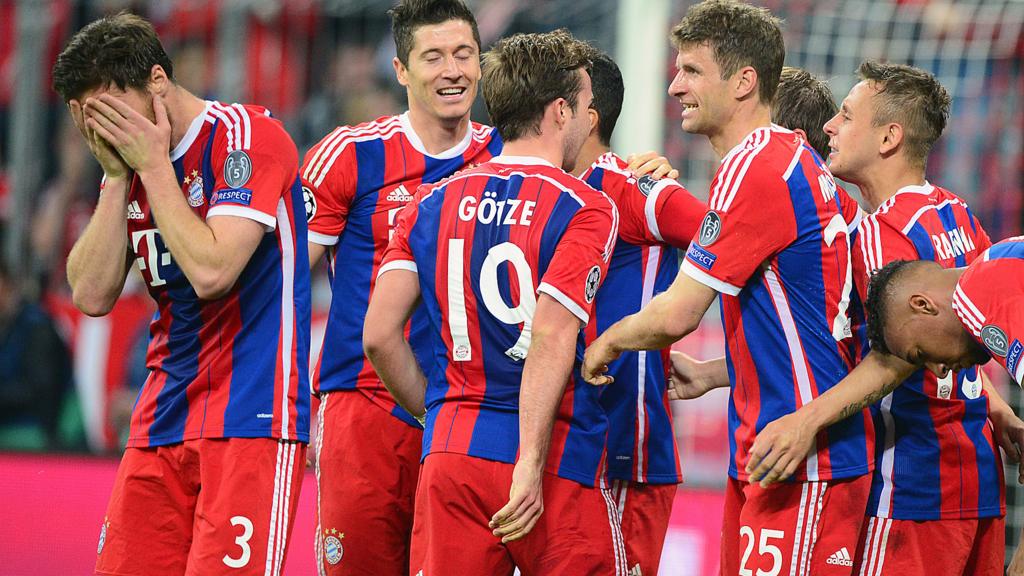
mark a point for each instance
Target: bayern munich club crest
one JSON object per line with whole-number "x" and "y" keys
{"x": 195, "y": 192}
{"x": 333, "y": 550}
{"x": 995, "y": 340}
{"x": 710, "y": 228}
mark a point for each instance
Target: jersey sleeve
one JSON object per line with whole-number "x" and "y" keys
{"x": 981, "y": 238}
{"x": 398, "y": 255}
{"x": 329, "y": 187}
{"x": 580, "y": 262}
{"x": 657, "y": 212}
{"x": 750, "y": 219}
{"x": 992, "y": 315}
{"x": 255, "y": 164}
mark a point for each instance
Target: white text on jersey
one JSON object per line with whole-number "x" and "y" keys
{"x": 502, "y": 212}
{"x": 952, "y": 244}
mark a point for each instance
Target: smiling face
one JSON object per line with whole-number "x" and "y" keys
{"x": 854, "y": 139}
{"x": 699, "y": 87}
{"x": 443, "y": 71}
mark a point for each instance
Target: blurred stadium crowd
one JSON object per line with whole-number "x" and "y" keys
{"x": 68, "y": 382}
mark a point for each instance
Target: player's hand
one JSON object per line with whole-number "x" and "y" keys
{"x": 651, "y": 163}
{"x": 596, "y": 360}
{"x": 525, "y": 504}
{"x": 112, "y": 164}
{"x": 686, "y": 378}
{"x": 142, "y": 144}
{"x": 779, "y": 449}
{"x": 1009, "y": 433}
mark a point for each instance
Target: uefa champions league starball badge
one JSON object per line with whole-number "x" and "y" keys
{"x": 333, "y": 550}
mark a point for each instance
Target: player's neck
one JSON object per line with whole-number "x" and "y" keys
{"x": 744, "y": 120}
{"x": 883, "y": 183}
{"x": 591, "y": 151}
{"x": 182, "y": 108}
{"x": 548, "y": 149}
{"x": 438, "y": 134}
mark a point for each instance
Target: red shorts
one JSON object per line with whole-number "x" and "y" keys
{"x": 578, "y": 533}
{"x": 644, "y": 510}
{"x": 202, "y": 507}
{"x": 802, "y": 529}
{"x": 908, "y": 547}
{"x": 366, "y": 469}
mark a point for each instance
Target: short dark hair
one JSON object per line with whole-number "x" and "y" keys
{"x": 118, "y": 50}
{"x": 739, "y": 35}
{"x": 805, "y": 102}
{"x": 409, "y": 15}
{"x": 911, "y": 98}
{"x": 881, "y": 290}
{"x": 526, "y": 72}
{"x": 606, "y": 82}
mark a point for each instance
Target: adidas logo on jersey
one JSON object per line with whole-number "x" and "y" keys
{"x": 840, "y": 557}
{"x": 399, "y": 194}
{"x": 134, "y": 212}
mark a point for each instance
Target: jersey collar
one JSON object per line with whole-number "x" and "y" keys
{"x": 191, "y": 134}
{"x": 417, "y": 143}
{"x": 747, "y": 141}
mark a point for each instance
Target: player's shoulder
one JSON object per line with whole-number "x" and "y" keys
{"x": 380, "y": 129}
{"x": 482, "y": 133}
{"x": 249, "y": 129}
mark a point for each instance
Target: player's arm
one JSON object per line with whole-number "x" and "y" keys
{"x": 691, "y": 378}
{"x": 784, "y": 444}
{"x": 670, "y": 316}
{"x": 328, "y": 189}
{"x": 98, "y": 262}
{"x": 1008, "y": 429}
{"x": 1017, "y": 563}
{"x": 394, "y": 299}
{"x": 545, "y": 374}
{"x": 211, "y": 253}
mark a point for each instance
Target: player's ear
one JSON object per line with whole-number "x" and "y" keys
{"x": 800, "y": 132}
{"x": 923, "y": 304}
{"x": 400, "y": 71}
{"x": 159, "y": 83}
{"x": 891, "y": 138}
{"x": 595, "y": 119}
{"x": 745, "y": 82}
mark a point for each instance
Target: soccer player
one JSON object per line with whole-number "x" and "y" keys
{"x": 947, "y": 319}
{"x": 938, "y": 471}
{"x": 204, "y": 198}
{"x": 655, "y": 217}
{"x": 774, "y": 244}
{"x": 357, "y": 179}
{"x": 507, "y": 258}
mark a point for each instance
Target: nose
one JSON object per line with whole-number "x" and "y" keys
{"x": 675, "y": 88}
{"x": 940, "y": 369}
{"x": 451, "y": 69}
{"x": 829, "y": 126}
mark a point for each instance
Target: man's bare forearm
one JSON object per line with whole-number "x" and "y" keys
{"x": 870, "y": 381}
{"x": 98, "y": 264}
{"x": 659, "y": 325}
{"x": 396, "y": 366}
{"x": 545, "y": 374}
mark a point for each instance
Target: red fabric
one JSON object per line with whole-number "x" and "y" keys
{"x": 908, "y": 547}
{"x": 206, "y": 506}
{"x": 644, "y": 510}
{"x": 813, "y": 526}
{"x": 577, "y": 534}
{"x": 367, "y": 465}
